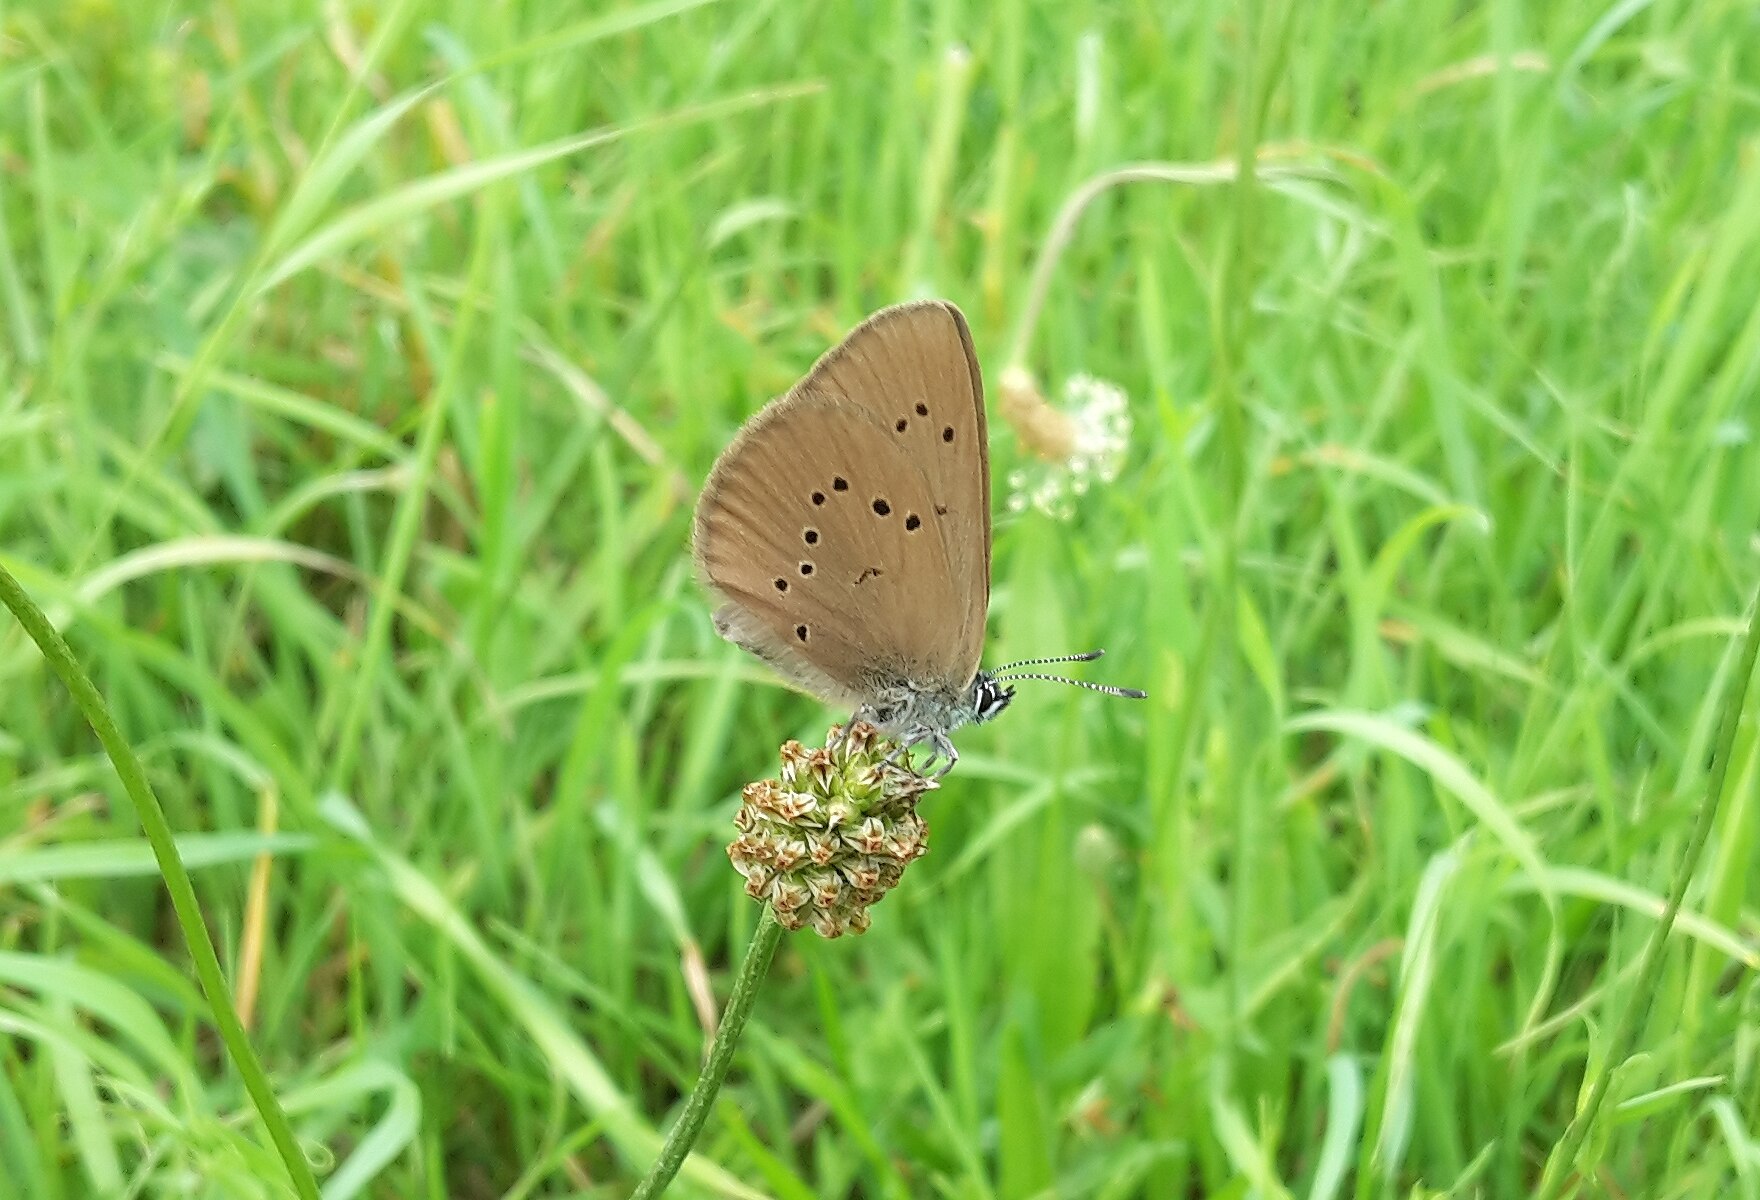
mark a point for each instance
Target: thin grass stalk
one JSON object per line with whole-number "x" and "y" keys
{"x": 177, "y": 882}
{"x": 1644, "y": 988}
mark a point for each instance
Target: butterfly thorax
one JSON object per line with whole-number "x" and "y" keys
{"x": 913, "y": 711}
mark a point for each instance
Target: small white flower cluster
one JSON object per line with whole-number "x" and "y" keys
{"x": 1099, "y": 418}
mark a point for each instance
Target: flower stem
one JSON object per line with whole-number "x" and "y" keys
{"x": 183, "y": 894}
{"x": 733, "y": 1023}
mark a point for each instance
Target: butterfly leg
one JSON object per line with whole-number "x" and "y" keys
{"x": 901, "y": 755}
{"x": 940, "y": 751}
{"x": 944, "y": 749}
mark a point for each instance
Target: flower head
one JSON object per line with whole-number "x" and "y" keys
{"x": 831, "y": 836}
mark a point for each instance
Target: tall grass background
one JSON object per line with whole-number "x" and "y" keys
{"x": 357, "y": 368}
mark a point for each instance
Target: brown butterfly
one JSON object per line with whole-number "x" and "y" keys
{"x": 847, "y": 532}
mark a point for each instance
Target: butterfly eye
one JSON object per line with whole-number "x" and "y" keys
{"x": 881, "y": 508}
{"x": 818, "y": 498}
{"x": 839, "y": 484}
{"x": 782, "y": 585}
{"x": 806, "y": 568}
{"x": 902, "y": 424}
{"x": 947, "y": 433}
{"x": 811, "y": 537}
{"x": 912, "y": 522}
{"x": 800, "y": 631}
{"x": 922, "y": 410}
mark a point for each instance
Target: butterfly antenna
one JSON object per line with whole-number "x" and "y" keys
{"x": 1088, "y": 656}
{"x": 1127, "y": 693}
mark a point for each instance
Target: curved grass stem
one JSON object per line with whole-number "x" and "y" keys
{"x": 1063, "y": 226}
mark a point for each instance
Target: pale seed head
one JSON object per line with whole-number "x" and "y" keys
{"x": 833, "y": 834}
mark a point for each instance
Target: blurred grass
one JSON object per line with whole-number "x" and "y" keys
{"x": 358, "y": 367}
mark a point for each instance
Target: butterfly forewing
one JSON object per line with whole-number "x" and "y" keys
{"x": 912, "y": 367}
{"x": 820, "y": 530}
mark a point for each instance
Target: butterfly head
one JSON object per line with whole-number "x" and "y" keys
{"x": 916, "y": 714}
{"x": 989, "y": 697}
{"x": 990, "y": 692}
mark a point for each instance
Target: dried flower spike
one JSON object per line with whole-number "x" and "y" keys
{"x": 1042, "y": 429}
{"x": 834, "y": 834}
